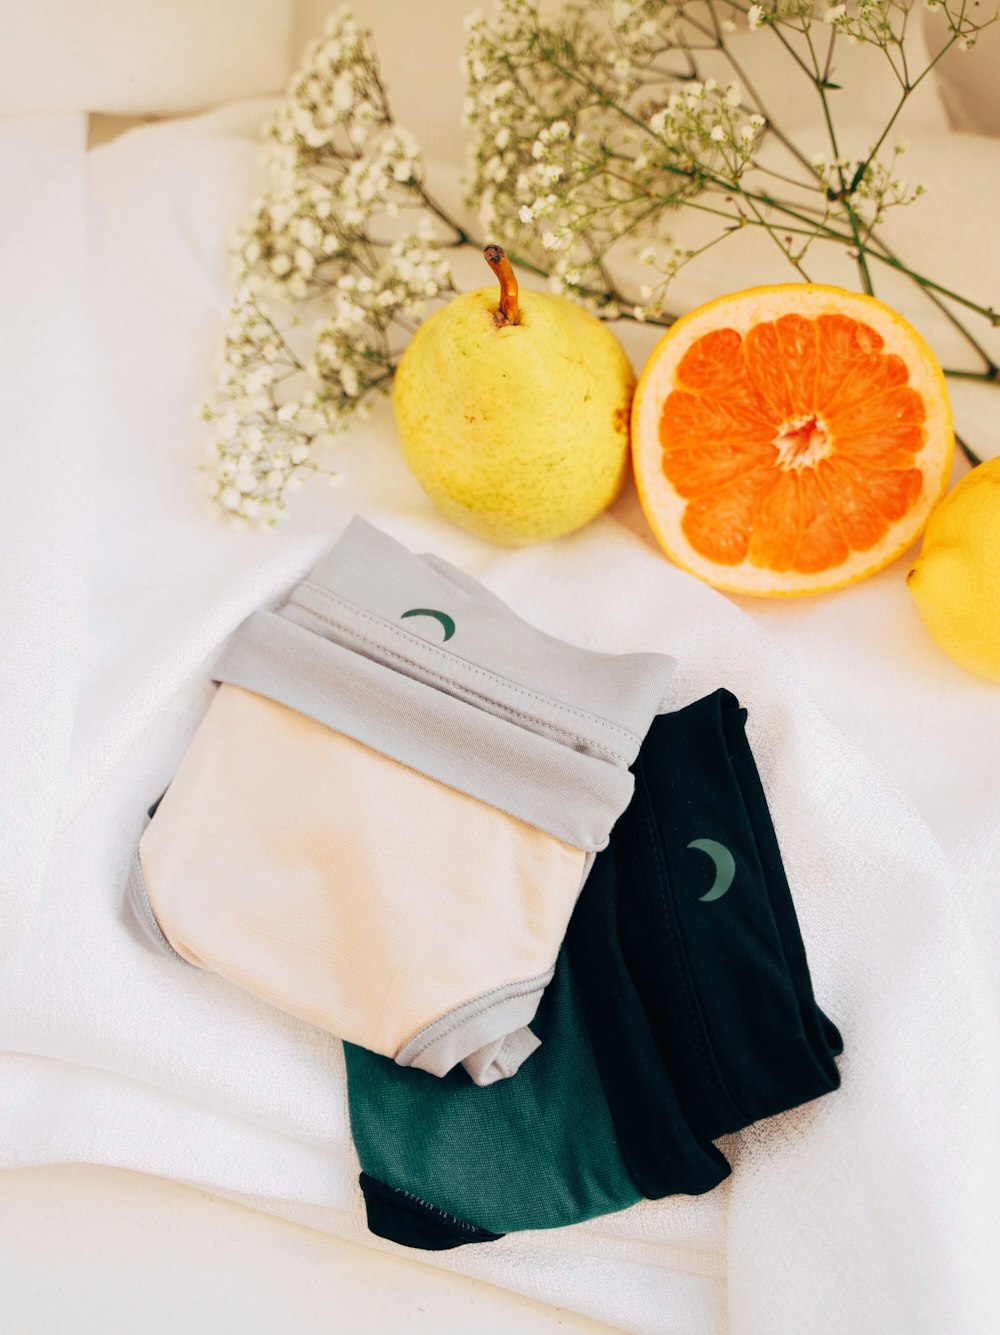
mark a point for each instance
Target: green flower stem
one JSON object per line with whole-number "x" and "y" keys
{"x": 828, "y": 60}
{"x": 992, "y": 371}
{"x": 791, "y": 51}
{"x": 769, "y": 201}
{"x": 852, "y": 217}
{"x": 907, "y": 92}
{"x": 969, "y": 453}
{"x": 285, "y": 346}
{"x": 987, "y": 312}
{"x": 774, "y": 214}
{"x": 812, "y": 227}
{"x": 860, "y": 253}
{"x": 700, "y": 177}
{"x": 741, "y": 74}
{"x": 785, "y": 250}
{"x": 990, "y": 377}
{"x": 461, "y": 236}
{"x": 831, "y": 234}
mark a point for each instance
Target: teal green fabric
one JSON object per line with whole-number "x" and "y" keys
{"x": 534, "y": 1151}
{"x": 682, "y": 1010}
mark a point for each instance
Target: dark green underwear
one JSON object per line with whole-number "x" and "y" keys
{"x": 681, "y": 1010}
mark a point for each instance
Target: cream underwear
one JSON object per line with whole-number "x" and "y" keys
{"x": 386, "y": 816}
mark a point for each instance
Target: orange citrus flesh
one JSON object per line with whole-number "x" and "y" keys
{"x": 790, "y": 439}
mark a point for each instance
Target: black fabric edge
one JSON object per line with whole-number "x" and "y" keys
{"x": 407, "y": 1220}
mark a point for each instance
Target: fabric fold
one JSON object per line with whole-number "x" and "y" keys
{"x": 714, "y": 944}
{"x": 355, "y": 784}
{"x": 636, "y": 1075}
{"x": 574, "y": 796}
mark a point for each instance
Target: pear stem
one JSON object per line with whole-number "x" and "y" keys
{"x": 508, "y": 311}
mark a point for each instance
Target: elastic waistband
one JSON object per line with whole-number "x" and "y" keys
{"x": 419, "y": 661}
{"x": 427, "y": 619}
{"x": 138, "y": 916}
{"x": 573, "y": 796}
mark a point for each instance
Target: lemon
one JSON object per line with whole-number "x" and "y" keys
{"x": 513, "y": 416}
{"x": 956, "y": 579}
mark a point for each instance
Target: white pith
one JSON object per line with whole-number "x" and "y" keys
{"x": 795, "y": 449}
{"x": 665, "y": 508}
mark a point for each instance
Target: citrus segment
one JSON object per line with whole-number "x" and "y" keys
{"x": 790, "y": 439}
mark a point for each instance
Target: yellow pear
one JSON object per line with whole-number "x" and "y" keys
{"x": 513, "y": 411}
{"x": 956, "y": 579}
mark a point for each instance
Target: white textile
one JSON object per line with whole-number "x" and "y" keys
{"x": 875, "y": 1209}
{"x": 46, "y": 462}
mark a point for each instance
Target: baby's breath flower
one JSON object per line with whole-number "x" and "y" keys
{"x": 578, "y": 173}
{"x": 590, "y": 121}
{"x": 338, "y": 165}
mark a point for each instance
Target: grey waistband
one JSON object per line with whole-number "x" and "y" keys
{"x": 331, "y": 617}
{"x": 137, "y": 913}
{"x": 370, "y": 591}
{"x": 572, "y": 795}
{"x": 478, "y": 1033}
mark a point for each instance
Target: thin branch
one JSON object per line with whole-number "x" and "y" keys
{"x": 969, "y": 453}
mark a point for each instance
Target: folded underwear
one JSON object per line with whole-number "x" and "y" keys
{"x": 386, "y": 816}
{"x": 681, "y": 1009}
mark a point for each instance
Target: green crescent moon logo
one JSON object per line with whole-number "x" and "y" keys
{"x": 447, "y": 625}
{"x": 725, "y": 867}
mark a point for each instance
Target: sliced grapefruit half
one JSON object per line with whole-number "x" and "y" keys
{"x": 790, "y": 439}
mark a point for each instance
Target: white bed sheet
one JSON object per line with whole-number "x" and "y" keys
{"x": 876, "y": 1209}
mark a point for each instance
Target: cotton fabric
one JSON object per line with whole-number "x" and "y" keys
{"x": 877, "y": 754}
{"x": 372, "y": 785}
{"x": 297, "y": 862}
{"x": 673, "y": 1019}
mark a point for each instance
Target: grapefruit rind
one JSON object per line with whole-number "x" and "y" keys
{"x": 664, "y": 508}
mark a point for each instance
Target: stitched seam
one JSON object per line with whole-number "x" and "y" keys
{"x": 392, "y": 1194}
{"x": 800, "y": 1002}
{"x": 144, "y": 906}
{"x": 512, "y": 992}
{"x": 674, "y": 935}
{"x": 507, "y": 711}
{"x": 460, "y": 1023}
{"x": 400, "y": 634}
{"x": 476, "y": 668}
